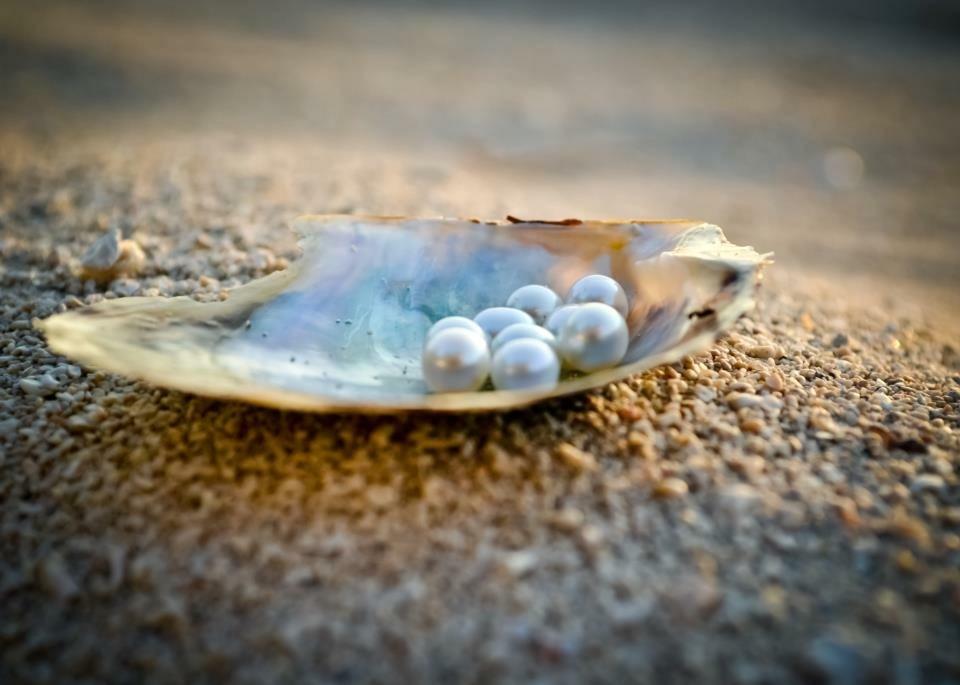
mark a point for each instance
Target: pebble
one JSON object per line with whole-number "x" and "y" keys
{"x": 125, "y": 287}
{"x": 381, "y": 496}
{"x": 576, "y": 458}
{"x": 35, "y": 387}
{"x": 909, "y": 528}
{"x": 740, "y": 497}
{"x": 927, "y": 482}
{"x": 568, "y": 519}
{"x": 763, "y": 351}
{"x": 882, "y": 400}
{"x": 740, "y": 400}
{"x": 821, "y": 420}
{"x": 835, "y": 662}
{"x": 705, "y": 393}
{"x": 517, "y": 564}
{"x": 52, "y": 576}
{"x": 671, "y": 488}
{"x": 49, "y": 382}
{"x": 774, "y": 382}
{"x": 8, "y": 427}
{"x": 79, "y": 422}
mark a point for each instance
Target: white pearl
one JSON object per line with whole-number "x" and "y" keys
{"x": 525, "y": 364}
{"x": 594, "y": 337}
{"x": 495, "y": 319}
{"x": 455, "y": 360}
{"x": 536, "y": 300}
{"x": 599, "y": 288}
{"x": 523, "y": 330}
{"x": 454, "y": 322}
{"x": 559, "y": 317}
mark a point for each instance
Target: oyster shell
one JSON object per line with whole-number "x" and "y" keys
{"x": 342, "y": 328}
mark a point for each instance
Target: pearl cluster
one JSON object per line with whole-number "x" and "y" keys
{"x": 520, "y": 346}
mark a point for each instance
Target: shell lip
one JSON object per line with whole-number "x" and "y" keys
{"x": 507, "y": 221}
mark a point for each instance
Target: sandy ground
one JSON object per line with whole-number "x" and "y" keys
{"x": 784, "y": 508}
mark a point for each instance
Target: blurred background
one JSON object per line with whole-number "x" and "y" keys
{"x": 828, "y": 132}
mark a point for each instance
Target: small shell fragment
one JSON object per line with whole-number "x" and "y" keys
{"x": 280, "y": 340}
{"x": 110, "y": 257}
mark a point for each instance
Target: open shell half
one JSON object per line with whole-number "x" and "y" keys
{"x": 342, "y": 328}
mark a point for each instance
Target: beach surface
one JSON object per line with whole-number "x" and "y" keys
{"x": 782, "y": 508}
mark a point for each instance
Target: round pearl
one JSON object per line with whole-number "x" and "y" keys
{"x": 525, "y": 364}
{"x": 449, "y": 322}
{"x": 559, "y": 317}
{"x": 495, "y": 319}
{"x": 455, "y": 360}
{"x": 536, "y": 300}
{"x": 599, "y": 288}
{"x": 594, "y": 337}
{"x": 523, "y": 330}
